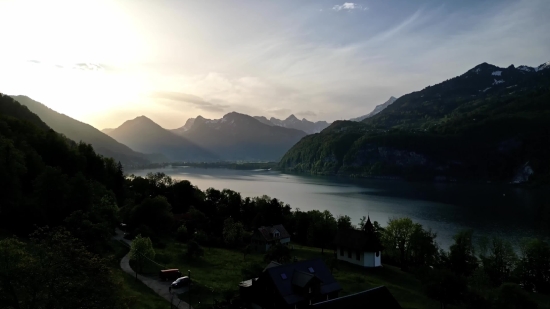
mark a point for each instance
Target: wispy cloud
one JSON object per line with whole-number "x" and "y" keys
{"x": 88, "y": 67}
{"x": 349, "y": 6}
{"x": 197, "y": 101}
{"x": 280, "y": 112}
{"x": 306, "y": 114}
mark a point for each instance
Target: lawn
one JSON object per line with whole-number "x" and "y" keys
{"x": 219, "y": 272}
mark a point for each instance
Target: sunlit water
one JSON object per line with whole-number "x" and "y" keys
{"x": 489, "y": 210}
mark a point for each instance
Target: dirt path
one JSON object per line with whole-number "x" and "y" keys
{"x": 160, "y": 287}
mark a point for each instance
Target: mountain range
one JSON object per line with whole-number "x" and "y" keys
{"x": 235, "y": 137}
{"x": 79, "y": 131}
{"x": 292, "y": 122}
{"x": 376, "y": 110}
{"x": 489, "y": 123}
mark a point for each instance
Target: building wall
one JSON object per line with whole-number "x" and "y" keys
{"x": 369, "y": 259}
{"x": 378, "y": 260}
{"x": 353, "y": 258}
{"x": 366, "y": 259}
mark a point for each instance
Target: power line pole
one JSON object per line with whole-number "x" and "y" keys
{"x": 189, "y": 289}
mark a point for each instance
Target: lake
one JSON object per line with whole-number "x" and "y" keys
{"x": 500, "y": 210}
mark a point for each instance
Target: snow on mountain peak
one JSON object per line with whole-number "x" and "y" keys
{"x": 526, "y": 68}
{"x": 496, "y": 73}
{"x": 543, "y": 66}
{"x": 498, "y": 82}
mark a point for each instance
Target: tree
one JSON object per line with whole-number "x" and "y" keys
{"x": 233, "y": 232}
{"x": 397, "y": 239}
{"x": 182, "y": 234}
{"x": 279, "y": 253}
{"x": 445, "y": 287}
{"x": 424, "y": 250}
{"x": 462, "y": 259}
{"x": 344, "y": 223}
{"x": 141, "y": 250}
{"x": 362, "y": 222}
{"x": 322, "y": 229}
{"x": 194, "y": 249}
{"x": 154, "y": 212}
{"x": 54, "y": 270}
{"x": 534, "y": 266}
{"x": 498, "y": 259}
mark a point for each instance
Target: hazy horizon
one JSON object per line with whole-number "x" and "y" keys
{"x": 105, "y": 62}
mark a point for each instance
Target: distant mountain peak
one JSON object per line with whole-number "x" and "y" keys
{"x": 291, "y": 117}
{"x": 377, "y": 109}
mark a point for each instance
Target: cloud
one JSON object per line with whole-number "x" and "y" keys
{"x": 197, "y": 101}
{"x": 306, "y": 114}
{"x": 349, "y": 6}
{"x": 88, "y": 67}
{"x": 34, "y": 61}
{"x": 280, "y": 112}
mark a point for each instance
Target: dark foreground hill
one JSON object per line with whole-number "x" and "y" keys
{"x": 490, "y": 123}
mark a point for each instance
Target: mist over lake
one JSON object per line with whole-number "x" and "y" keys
{"x": 490, "y": 210}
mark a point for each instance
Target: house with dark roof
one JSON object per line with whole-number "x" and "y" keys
{"x": 361, "y": 247}
{"x": 295, "y": 285}
{"x": 376, "y": 298}
{"x": 267, "y": 236}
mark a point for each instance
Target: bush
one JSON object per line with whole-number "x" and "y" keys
{"x": 194, "y": 249}
{"x": 200, "y": 237}
{"x": 182, "y": 234}
{"x": 512, "y": 296}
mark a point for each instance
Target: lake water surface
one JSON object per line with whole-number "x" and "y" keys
{"x": 500, "y": 210}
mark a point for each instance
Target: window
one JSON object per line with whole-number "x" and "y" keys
{"x": 349, "y": 253}
{"x": 309, "y": 290}
{"x": 341, "y": 251}
{"x": 283, "y": 275}
{"x": 358, "y": 255}
{"x": 377, "y": 253}
{"x": 311, "y": 270}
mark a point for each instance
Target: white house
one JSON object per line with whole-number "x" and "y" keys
{"x": 360, "y": 247}
{"x": 267, "y": 236}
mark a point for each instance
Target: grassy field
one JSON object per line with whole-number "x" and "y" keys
{"x": 218, "y": 273}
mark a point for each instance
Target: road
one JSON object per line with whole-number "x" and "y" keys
{"x": 160, "y": 287}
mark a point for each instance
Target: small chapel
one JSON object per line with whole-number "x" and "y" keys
{"x": 359, "y": 246}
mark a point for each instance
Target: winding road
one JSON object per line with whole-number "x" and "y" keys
{"x": 160, "y": 287}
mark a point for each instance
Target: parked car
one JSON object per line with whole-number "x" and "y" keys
{"x": 181, "y": 282}
{"x": 169, "y": 274}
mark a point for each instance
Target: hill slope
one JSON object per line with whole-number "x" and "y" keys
{"x": 490, "y": 123}
{"x": 79, "y": 131}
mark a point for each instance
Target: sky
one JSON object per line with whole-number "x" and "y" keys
{"x": 107, "y": 61}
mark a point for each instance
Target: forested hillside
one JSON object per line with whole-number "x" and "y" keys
{"x": 68, "y": 191}
{"x": 79, "y": 131}
{"x": 487, "y": 124}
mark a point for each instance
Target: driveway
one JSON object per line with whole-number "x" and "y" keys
{"x": 160, "y": 287}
